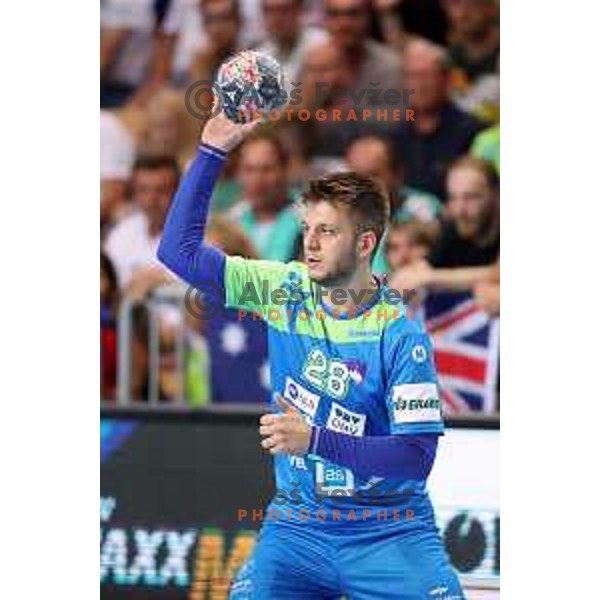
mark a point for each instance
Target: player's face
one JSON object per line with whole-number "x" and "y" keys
{"x": 152, "y": 191}
{"x": 330, "y": 244}
{"x": 469, "y": 200}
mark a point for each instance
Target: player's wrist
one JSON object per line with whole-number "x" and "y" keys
{"x": 313, "y": 444}
{"x": 212, "y": 149}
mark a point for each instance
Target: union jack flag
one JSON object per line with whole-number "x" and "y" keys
{"x": 467, "y": 350}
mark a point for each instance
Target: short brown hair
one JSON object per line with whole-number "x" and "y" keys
{"x": 485, "y": 167}
{"x": 366, "y": 200}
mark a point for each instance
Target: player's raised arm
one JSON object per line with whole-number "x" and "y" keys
{"x": 182, "y": 247}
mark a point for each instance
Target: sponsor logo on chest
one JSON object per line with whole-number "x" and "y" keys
{"x": 345, "y": 421}
{"x": 304, "y": 400}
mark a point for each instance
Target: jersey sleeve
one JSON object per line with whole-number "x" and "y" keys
{"x": 257, "y": 285}
{"x": 412, "y": 395}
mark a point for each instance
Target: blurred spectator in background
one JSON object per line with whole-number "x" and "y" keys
{"x": 287, "y": 40}
{"x": 222, "y": 25}
{"x": 375, "y": 157}
{"x": 368, "y": 61}
{"x": 137, "y": 39}
{"x": 349, "y": 61}
{"x": 470, "y": 236}
{"x": 117, "y": 153}
{"x": 169, "y": 130}
{"x": 132, "y": 243}
{"x": 109, "y": 298}
{"x": 474, "y": 49}
{"x": 441, "y": 132}
{"x": 266, "y": 213}
{"x": 322, "y": 143}
{"x": 408, "y": 242}
{"x": 486, "y": 145}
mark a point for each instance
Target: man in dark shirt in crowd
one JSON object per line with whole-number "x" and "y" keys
{"x": 467, "y": 251}
{"x": 440, "y": 132}
{"x": 471, "y": 235}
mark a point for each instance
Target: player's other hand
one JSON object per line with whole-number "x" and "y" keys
{"x": 224, "y": 134}
{"x": 288, "y": 433}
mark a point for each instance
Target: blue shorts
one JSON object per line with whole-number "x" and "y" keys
{"x": 303, "y": 563}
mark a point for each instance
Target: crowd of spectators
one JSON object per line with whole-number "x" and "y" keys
{"x": 442, "y": 169}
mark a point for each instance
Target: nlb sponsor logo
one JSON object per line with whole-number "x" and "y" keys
{"x": 416, "y": 402}
{"x": 304, "y": 400}
{"x": 345, "y": 421}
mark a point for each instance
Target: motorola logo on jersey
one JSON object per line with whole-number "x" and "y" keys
{"x": 419, "y": 354}
{"x": 345, "y": 421}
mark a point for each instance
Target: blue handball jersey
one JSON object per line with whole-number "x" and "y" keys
{"x": 369, "y": 374}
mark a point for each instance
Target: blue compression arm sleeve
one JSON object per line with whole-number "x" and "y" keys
{"x": 181, "y": 248}
{"x": 395, "y": 456}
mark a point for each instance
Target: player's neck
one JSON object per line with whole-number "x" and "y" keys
{"x": 359, "y": 291}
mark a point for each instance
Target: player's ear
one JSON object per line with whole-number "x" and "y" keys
{"x": 367, "y": 242}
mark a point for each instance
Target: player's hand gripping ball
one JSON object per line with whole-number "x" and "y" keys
{"x": 249, "y": 82}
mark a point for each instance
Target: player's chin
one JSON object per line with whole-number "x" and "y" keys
{"x": 317, "y": 273}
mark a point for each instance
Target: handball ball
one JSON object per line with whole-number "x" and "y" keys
{"x": 248, "y": 82}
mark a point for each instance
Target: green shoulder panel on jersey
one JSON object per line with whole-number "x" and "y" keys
{"x": 284, "y": 297}
{"x": 262, "y": 286}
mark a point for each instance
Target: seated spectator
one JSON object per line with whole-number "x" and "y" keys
{"x": 474, "y": 49}
{"x": 265, "y": 212}
{"x": 321, "y": 143}
{"x": 441, "y": 132}
{"x": 287, "y": 40}
{"x": 486, "y": 146}
{"x": 117, "y": 153}
{"x": 109, "y": 298}
{"x": 347, "y": 22}
{"x": 375, "y": 157}
{"x": 132, "y": 243}
{"x": 408, "y": 242}
{"x": 222, "y": 26}
{"x": 470, "y": 237}
{"x": 169, "y": 130}
{"x": 137, "y": 39}
{"x": 349, "y": 61}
